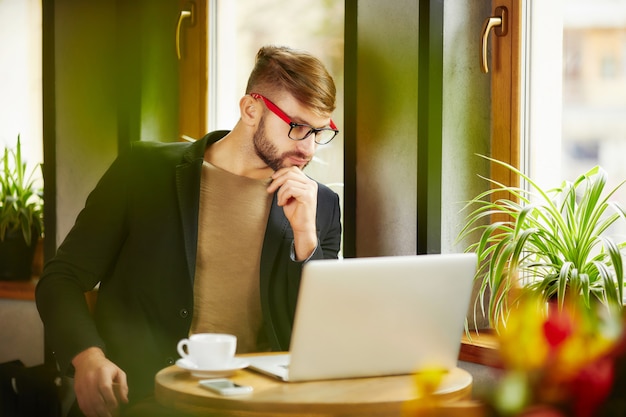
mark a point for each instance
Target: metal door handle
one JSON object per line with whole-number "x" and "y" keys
{"x": 499, "y": 24}
{"x": 184, "y": 14}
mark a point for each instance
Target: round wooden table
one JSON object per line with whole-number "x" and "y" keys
{"x": 380, "y": 396}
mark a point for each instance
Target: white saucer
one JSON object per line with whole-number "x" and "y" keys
{"x": 224, "y": 370}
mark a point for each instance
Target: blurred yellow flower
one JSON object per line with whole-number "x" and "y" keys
{"x": 551, "y": 354}
{"x": 426, "y": 383}
{"x": 428, "y": 380}
{"x": 522, "y": 342}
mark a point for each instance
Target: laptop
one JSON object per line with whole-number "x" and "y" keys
{"x": 366, "y": 317}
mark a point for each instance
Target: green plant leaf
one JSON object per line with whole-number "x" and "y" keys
{"x": 21, "y": 203}
{"x": 553, "y": 242}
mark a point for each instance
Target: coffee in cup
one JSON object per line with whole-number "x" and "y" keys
{"x": 208, "y": 350}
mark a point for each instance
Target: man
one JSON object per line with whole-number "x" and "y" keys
{"x": 203, "y": 237}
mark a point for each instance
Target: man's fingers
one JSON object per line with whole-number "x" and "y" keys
{"x": 280, "y": 177}
{"x": 99, "y": 384}
{"x": 121, "y": 388}
{"x": 289, "y": 191}
{"x": 108, "y": 395}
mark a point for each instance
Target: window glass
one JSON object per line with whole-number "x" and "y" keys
{"x": 20, "y": 77}
{"x": 587, "y": 125}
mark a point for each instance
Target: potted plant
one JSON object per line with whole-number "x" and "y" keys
{"x": 550, "y": 242}
{"x": 21, "y": 215}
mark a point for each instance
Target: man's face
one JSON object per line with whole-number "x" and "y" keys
{"x": 271, "y": 139}
{"x": 269, "y": 152}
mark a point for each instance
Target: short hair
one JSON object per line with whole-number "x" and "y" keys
{"x": 281, "y": 69}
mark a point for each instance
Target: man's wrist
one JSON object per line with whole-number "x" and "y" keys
{"x": 86, "y": 355}
{"x": 295, "y": 259}
{"x": 304, "y": 245}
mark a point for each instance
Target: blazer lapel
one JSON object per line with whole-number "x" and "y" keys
{"x": 275, "y": 232}
{"x": 188, "y": 176}
{"x": 277, "y": 225}
{"x": 187, "y": 187}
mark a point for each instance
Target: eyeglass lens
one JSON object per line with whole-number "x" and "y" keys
{"x": 300, "y": 132}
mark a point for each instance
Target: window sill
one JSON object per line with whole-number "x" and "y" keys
{"x": 481, "y": 348}
{"x": 25, "y": 291}
{"x": 18, "y": 290}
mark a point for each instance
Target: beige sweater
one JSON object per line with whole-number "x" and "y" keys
{"x": 232, "y": 221}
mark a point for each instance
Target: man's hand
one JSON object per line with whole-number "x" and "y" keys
{"x": 297, "y": 195}
{"x": 99, "y": 384}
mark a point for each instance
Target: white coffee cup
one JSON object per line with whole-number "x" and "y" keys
{"x": 208, "y": 350}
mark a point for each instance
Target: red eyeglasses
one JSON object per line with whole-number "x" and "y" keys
{"x": 299, "y": 131}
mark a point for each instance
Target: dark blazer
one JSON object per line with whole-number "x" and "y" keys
{"x": 136, "y": 237}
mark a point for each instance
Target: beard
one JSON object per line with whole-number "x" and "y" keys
{"x": 268, "y": 152}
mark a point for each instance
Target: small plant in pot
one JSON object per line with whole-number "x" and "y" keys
{"x": 551, "y": 242}
{"x": 21, "y": 215}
